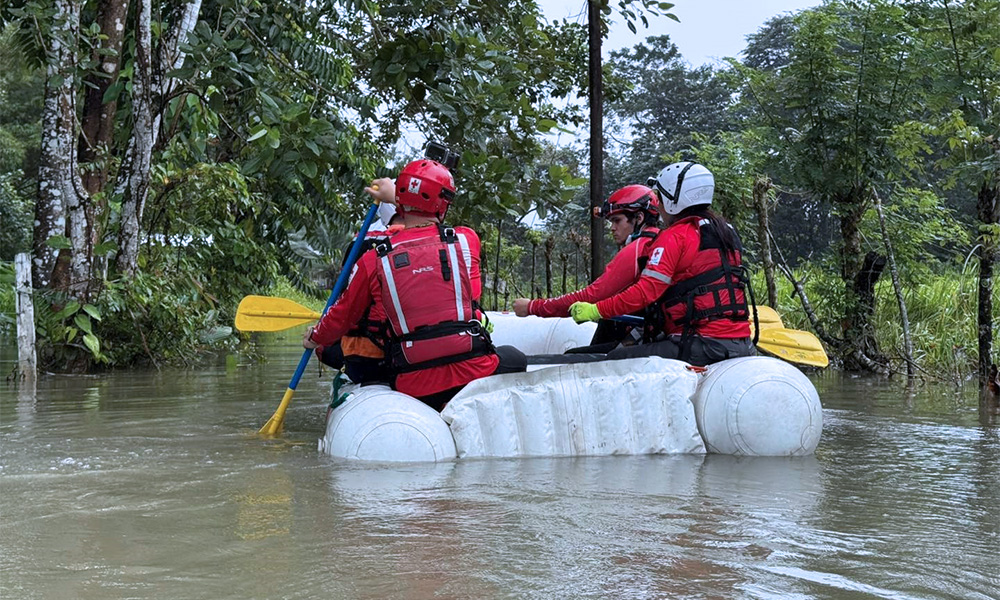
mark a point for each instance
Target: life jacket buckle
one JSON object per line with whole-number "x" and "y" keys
{"x": 476, "y": 328}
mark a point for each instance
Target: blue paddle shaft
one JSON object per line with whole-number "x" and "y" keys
{"x": 629, "y": 319}
{"x": 338, "y": 288}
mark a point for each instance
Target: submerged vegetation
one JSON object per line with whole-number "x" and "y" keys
{"x": 210, "y": 149}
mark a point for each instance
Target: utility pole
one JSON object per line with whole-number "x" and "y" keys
{"x": 596, "y": 138}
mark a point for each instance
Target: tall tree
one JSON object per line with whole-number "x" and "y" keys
{"x": 595, "y": 24}
{"x": 850, "y": 81}
{"x": 964, "y": 50}
{"x": 58, "y": 187}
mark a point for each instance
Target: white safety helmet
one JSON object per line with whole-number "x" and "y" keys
{"x": 684, "y": 184}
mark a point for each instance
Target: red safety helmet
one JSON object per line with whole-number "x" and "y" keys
{"x": 425, "y": 186}
{"x": 632, "y": 199}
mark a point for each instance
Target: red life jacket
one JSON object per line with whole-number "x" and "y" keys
{"x": 427, "y": 296}
{"x": 711, "y": 286}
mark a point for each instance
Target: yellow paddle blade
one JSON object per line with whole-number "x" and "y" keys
{"x": 768, "y": 318}
{"x": 264, "y": 313}
{"x": 794, "y": 346}
{"x": 277, "y": 420}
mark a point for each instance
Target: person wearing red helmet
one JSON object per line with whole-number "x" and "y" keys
{"x": 633, "y": 213}
{"x": 424, "y": 285}
{"x": 694, "y": 287}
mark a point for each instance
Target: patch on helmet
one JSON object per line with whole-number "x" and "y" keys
{"x": 414, "y": 186}
{"x": 657, "y": 255}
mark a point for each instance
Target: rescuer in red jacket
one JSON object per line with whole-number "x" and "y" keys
{"x": 634, "y": 214}
{"x": 693, "y": 282}
{"x": 424, "y": 282}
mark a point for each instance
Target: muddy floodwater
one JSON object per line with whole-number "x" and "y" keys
{"x": 146, "y": 484}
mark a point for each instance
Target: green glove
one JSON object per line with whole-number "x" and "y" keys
{"x": 584, "y": 311}
{"x": 489, "y": 327}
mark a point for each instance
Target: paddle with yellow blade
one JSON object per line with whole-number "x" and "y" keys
{"x": 264, "y": 313}
{"x": 768, "y": 318}
{"x": 793, "y": 345}
{"x": 277, "y": 420}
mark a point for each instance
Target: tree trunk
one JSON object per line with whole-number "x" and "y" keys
{"x": 859, "y": 272}
{"x": 550, "y": 244}
{"x": 576, "y": 269}
{"x": 57, "y": 174}
{"x": 898, "y": 288}
{"x": 595, "y": 19}
{"x": 565, "y": 261}
{"x": 761, "y": 188}
{"x": 133, "y": 180}
{"x": 170, "y": 56}
{"x": 97, "y": 120}
{"x": 534, "y": 290}
{"x": 852, "y": 209}
{"x": 861, "y": 331}
{"x": 988, "y": 208}
{"x": 151, "y": 89}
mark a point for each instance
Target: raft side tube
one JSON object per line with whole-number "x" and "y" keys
{"x": 634, "y": 406}
{"x": 378, "y": 424}
{"x": 758, "y": 406}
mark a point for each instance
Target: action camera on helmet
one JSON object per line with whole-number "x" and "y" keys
{"x": 438, "y": 152}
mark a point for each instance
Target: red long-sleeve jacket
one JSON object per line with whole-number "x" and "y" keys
{"x": 675, "y": 256}
{"x": 364, "y": 289}
{"x": 623, "y": 270}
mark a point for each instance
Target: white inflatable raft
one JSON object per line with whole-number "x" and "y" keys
{"x": 755, "y": 406}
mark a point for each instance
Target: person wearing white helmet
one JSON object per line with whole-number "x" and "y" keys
{"x": 694, "y": 287}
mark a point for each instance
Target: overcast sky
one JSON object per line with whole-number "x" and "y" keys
{"x": 709, "y": 29}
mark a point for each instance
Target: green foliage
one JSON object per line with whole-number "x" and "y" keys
{"x": 20, "y": 107}
{"x": 849, "y": 82}
{"x": 942, "y": 330}
{"x": 483, "y": 79}
{"x": 964, "y": 90}
{"x": 283, "y": 288}
{"x": 15, "y": 216}
{"x": 7, "y": 299}
{"x": 152, "y": 319}
{"x": 922, "y": 230}
{"x": 667, "y": 105}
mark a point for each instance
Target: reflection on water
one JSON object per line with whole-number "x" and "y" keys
{"x": 152, "y": 485}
